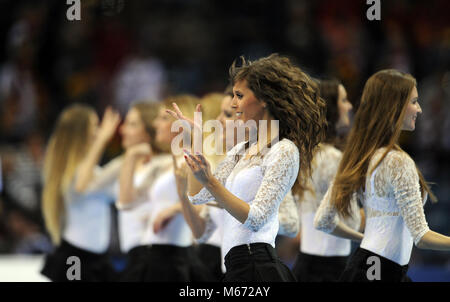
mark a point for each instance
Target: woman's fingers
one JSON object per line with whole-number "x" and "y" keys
{"x": 177, "y": 110}
{"x": 173, "y": 114}
{"x": 198, "y": 108}
{"x": 202, "y": 159}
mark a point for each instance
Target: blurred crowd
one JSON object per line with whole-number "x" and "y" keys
{"x": 126, "y": 51}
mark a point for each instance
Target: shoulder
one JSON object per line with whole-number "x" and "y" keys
{"x": 238, "y": 149}
{"x": 285, "y": 148}
{"x": 397, "y": 159}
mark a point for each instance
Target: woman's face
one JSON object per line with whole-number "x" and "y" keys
{"x": 162, "y": 125}
{"x": 133, "y": 130}
{"x": 247, "y": 106}
{"x": 412, "y": 109}
{"x": 344, "y": 108}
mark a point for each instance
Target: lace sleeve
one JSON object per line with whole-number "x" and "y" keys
{"x": 223, "y": 170}
{"x": 405, "y": 183}
{"x": 326, "y": 218}
{"x": 328, "y": 160}
{"x": 210, "y": 226}
{"x": 354, "y": 220}
{"x": 281, "y": 169}
{"x": 288, "y": 217}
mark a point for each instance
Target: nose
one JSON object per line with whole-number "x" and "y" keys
{"x": 419, "y": 108}
{"x": 234, "y": 102}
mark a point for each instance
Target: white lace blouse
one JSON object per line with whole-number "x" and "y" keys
{"x": 393, "y": 205}
{"x": 262, "y": 182}
{"x": 314, "y": 242}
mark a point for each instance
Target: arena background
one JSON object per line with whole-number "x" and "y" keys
{"x": 123, "y": 51}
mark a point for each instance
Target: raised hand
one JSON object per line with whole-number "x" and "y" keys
{"x": 191, "y": 124}
{"x": 177, "y": 114}
{"x": 109, "y": 123}
{"x": 200, "y": 167}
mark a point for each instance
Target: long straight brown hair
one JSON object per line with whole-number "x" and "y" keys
{"x": 65, "y": 150}
{"x": 377, "y": 124}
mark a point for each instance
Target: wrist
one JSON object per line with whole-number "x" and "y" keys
{"x": 211, "y": 184}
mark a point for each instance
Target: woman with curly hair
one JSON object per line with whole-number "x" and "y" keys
{"x": 255, "y": 176}
{"x": 391, "y": 187}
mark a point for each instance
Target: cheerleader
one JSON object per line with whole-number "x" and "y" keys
{"x": 322, "y": 257}
{"x": 168, "y": 255}
{"x": 138, "y": 132}
{"x": 253, "y": 179}
{"x": 391, "y": 187}
{"x": 210, "y": 242}
{"x": 77, "y": 194}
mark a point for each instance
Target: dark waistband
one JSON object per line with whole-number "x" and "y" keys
{"x": 69, "y": 248}
{"x": 331, "y": 260}
{"x": 254, "y": 251}
{"x": 169, "y": 249}
{"x": 363, "y": 254}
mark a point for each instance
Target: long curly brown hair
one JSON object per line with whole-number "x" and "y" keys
{"x": 293, "y": 99}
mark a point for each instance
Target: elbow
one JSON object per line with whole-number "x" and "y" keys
{"x": 290, "y": 231}
{"x": 420, "y": 241}
{"x": 318, "y": 225}
{"x": 420, "y": 244}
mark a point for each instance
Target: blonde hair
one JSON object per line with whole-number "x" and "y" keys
{"x": 211, "y": 109}
{"x": 66, "y": 148}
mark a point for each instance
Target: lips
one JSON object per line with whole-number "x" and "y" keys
{"x": 238, "y": 114}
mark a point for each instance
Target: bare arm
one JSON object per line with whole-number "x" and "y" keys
{"x": 106, "y": 131}
{"x": 190, "y": 212}
{"x": 127, "y": 192}
{"x": 434, "y": 241}
{"x": 346, "y": 232}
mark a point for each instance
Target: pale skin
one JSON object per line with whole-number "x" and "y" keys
{"x": 344, "y": 108}
{"x": 247, "y": 107}
{"x": 100, "y": 137}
